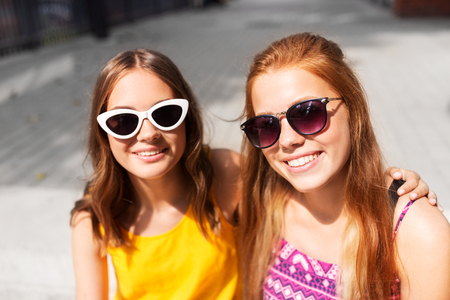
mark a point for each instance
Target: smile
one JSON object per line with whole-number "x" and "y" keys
{"x": 301, "y": 161}
{"x": 150, "y": 153}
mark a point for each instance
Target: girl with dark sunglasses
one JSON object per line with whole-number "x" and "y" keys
{"x": 159, "y": 202}
{"x": 317, "y": 220}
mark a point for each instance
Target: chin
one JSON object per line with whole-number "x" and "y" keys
{"x": 308, "y": 185}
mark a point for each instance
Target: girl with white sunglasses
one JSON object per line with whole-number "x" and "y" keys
{"x": 150, "y": 203}
{"x": 316, "y": 217}
{"x": 159, "y": 202}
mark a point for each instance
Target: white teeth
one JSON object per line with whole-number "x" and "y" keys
{"x": 149, "y": 153}
{"x": 302, "y": 161}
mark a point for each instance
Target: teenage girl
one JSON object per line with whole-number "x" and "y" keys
{"x": 155, "y": 198}
{"x": 317, "y": 222}
{"x": 159, "y": 202}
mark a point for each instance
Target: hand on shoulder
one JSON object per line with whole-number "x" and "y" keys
{"x": 423, "y": 245}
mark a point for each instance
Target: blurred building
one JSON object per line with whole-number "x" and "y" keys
{"x": 417, "y": 8}
{"x": 26, "y": 24}
{"x": 421, "y": 8}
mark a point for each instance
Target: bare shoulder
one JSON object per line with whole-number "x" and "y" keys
{"x": 423, "y": 244}
{"x": 90, "y": 266}
{"x": 421, "y": 218}
{"x": 82, "y": 231}
{"x": 81, "y": 218}
{"x": 227, "y": 180}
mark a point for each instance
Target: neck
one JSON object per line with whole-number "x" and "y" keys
{"x": 162, "y": 192}
{"x": 325, "y": 205}
{"x": 314, "y": 222}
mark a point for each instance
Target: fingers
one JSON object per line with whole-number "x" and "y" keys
{"x": 408, "y": 174}
{"x": 394, "y": 172}
{"x": 414, "y": 185}
{"x": 432, "y": 199}
{"x": 415, "y": 188}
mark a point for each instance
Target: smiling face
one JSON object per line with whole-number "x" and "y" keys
{"x": 311, "y": 162}
{"x": 151, "y": 153}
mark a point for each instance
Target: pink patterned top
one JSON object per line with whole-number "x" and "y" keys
{"x": 297, "y": 276}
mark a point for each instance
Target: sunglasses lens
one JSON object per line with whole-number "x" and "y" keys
{"x": 308, "y": 117}
{"x": 262, "y": 131}
{"x": 167, "y": 116}
{"x": 123, "y": 124}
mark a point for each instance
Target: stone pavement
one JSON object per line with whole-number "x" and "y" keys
{"x": 44, "y": 99}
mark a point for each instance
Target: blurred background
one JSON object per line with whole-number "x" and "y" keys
{"x": 52, "y": 50}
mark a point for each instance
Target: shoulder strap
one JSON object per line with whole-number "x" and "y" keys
{"x": 402, "y": 216}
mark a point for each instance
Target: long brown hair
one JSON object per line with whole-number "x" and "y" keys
{"x": 110, "y": 189}
{"x": 367, "y": 264}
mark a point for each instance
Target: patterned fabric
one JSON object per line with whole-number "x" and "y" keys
{"x": 297, "y": 276}
{"x": 400, "y": 219}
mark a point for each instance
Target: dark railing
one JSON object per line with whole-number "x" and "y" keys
{"x": 28, "y": 24}
{"x": 120, "y": 11}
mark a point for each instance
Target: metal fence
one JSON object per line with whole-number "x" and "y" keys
{"x": 120, "y": 11}
{"x": 28, "y": 24}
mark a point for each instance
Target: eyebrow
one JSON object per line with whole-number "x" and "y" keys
{"x": 122, "y": 107}
{"x": 133, "y": 108}
{"x": 289, "y": 105}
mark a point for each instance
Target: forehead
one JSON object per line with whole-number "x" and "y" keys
{"x": 139, "y": 90}
{"x": 276, "y": 91}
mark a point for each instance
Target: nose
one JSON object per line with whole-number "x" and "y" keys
{"x": 148, "y": 132}
{"x": 288, "y": 136}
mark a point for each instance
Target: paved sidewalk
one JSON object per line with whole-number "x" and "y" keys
{"x": 44, "y": 100}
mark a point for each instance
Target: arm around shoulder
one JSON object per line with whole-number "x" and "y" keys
{"x": 423, "y": 245}
{"x": 227, "y": 181}
{"x": 91, "y": 270}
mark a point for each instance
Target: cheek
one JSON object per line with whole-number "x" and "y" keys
{"x": 118, "y": 147}
{"x": 179, "y": 139}
{"x": 343, "y": 140}
{"x": 269, "y": 154}
{"x": 336, "y": 136}
{"x": 347, "y": 146}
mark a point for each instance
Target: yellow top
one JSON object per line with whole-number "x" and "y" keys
{"x": 179, "y": 264}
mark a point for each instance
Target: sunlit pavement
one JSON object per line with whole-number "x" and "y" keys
{"x": 44, "y": 103}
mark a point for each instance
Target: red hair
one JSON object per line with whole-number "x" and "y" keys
{"x": 368, "y": 264}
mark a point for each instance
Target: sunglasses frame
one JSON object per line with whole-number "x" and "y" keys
{"x": 142, "y": 115}
{"x": 276, "y": 117}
